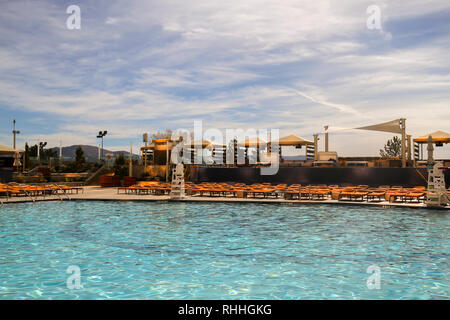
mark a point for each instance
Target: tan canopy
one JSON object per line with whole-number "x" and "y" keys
{"x": 252, "y": 142}
{"x": 438, "y": 136}
{"x": 391, "y": 126}
{"x": 203, "y": 143}
{"x": 5, "y": 150}
{"x": 293, "y": 140}
{"x": 158, "y": 145}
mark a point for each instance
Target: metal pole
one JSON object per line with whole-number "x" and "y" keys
{"x": 403, "y": 124}
{"x": 430, "y": 150}
{"x": 316, "y": 142}
{"x": 25, "y": 158}
{"x": 145, "y": 155}
{"x": 14, "y": 133}
{"x": 167, "y": 160}
{"x": 257, "y": 152}
{"x": 409, "y": 147}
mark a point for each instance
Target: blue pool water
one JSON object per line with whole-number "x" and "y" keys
{"x": 144, "y": 250}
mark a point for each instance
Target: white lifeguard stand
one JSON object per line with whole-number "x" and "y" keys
{"x": 437, "y": 194}
{"x": 177, "y": 191}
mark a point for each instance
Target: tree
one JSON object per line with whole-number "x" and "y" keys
{"x": 80, "y": 160}
{"x": 26, "y": 157}
{"x": 392, "y": 148}
{"x": 120, "y": 168}
{"x": 48, "y": 153}
{"x": 33, "y": 151}
{"x": 120, "y": 160}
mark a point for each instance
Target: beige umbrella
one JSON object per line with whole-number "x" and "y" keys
{"x": 203, "y": 143}
{"x": 437, "y": 136}
{"x": 251, "y": 142}
{"x": 293, "y": 140}
{"x": 5, "y": 150}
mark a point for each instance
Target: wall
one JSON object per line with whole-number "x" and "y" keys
{"x": 305, "y": 175}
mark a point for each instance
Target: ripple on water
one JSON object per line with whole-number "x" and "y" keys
{"x": 138, "y": 250}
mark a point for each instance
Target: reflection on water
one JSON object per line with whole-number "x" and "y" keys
{"x": 137, "y": 250}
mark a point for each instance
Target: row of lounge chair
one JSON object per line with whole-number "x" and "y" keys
{"x": 25, "y": 190}
{"x": 144, "y": 187}
{"x": 314, "y": 192}
{"x": 285, "y": 191}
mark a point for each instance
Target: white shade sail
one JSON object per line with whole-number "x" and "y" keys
{"x": 391, "y": 126}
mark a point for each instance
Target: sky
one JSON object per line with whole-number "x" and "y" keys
{"x": 141, "y": 66}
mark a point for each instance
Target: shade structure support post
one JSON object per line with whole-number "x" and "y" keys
{"x": 246, "y": 156}
{"x": 257, "y": 153}
{"x": 235, "y": 150}
{"x": 430, "y": 149}
{"x": 224, "y": 155}
{"x": 409, "y": 147}
{"x": 403, "y": 127}
{"x": 145, "y": 156}
{"x": 316, "y": 141}
{"x": 167, "y": 160}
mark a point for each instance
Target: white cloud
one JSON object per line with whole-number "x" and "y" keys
{"x": 296, "y": 65}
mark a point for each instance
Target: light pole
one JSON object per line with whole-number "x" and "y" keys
{"x": 145, "y": 139}
{"x": 100, "y": 135}
{"x": 15, "y": 132}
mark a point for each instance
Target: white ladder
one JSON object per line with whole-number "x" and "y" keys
{"x": 177, "y": 190}
{"x": 437, "y": 194}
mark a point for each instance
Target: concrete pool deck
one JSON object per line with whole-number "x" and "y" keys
{"x": 95, "y": 193}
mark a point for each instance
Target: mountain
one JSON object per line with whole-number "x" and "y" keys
{"x": 90, "y": 152}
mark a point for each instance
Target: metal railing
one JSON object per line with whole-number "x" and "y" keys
{"x": 28, "y": 195}
{"x": 64, "y": 192}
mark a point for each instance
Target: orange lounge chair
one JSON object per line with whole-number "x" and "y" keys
{"x": 375, "y": 194}
{"x": 394, "y": 196}
{"x": 415, "y": 195}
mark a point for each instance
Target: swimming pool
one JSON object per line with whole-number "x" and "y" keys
{"x": 170, "y": 250}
